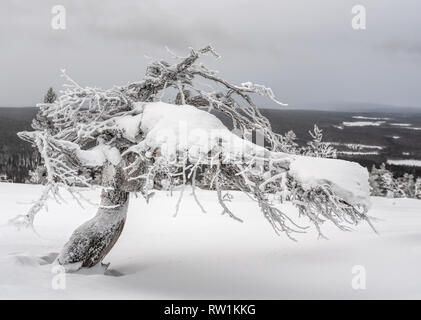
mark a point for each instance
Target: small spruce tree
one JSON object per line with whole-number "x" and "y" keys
{"x": 50, "y": 96}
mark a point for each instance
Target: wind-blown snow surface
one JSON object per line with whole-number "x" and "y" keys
{"x": 197, "y": 255}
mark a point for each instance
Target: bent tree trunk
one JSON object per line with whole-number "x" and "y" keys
{"x": 92, "y": 241}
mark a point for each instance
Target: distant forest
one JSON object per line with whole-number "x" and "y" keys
{"x": 18, "y": 157}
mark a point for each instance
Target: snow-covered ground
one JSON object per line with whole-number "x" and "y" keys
{"x": 363, "y": 123}
{"x": 370, "y": 118}
{"x": 197, "y": 255}
{"x": 405, "y": 162}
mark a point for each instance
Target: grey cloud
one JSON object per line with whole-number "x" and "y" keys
{"x": 305, "y": 50}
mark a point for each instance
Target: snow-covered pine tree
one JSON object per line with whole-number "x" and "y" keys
{"x": 317, "y": 148}
{"x": 41, "y": 121}
{"x": 133, "y": 137}
{"x": 50, "y": 96}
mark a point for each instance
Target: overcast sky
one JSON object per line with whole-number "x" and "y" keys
{"x": 305, "y": 50}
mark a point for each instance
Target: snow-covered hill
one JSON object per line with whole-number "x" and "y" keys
{"x": 197, "y": 255}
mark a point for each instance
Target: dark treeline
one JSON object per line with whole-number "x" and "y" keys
{"x": 17, "y": 157}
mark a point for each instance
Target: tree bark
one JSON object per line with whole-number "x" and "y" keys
{"x": 93, "y": 240}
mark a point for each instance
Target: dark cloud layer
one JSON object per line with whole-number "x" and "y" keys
{"x": 305, "y": 50}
